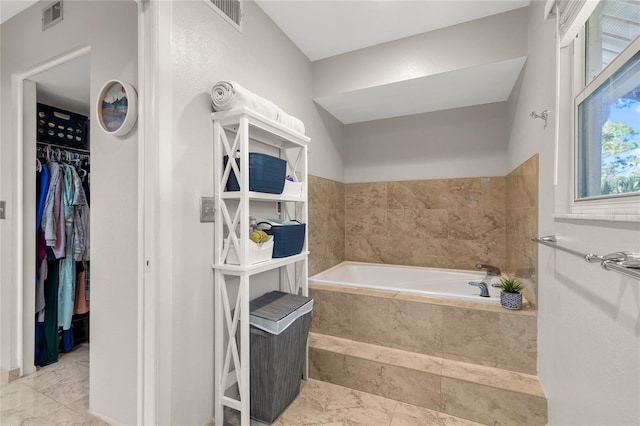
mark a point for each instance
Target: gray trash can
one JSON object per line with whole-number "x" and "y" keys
{"x": 278, "y": 336}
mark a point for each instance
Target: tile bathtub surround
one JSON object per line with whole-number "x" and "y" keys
{"x": 442, "y": 223}
{"x": 484, "y": 394}
{"x": 326, "y": 224}
{"x": 522, "y": 224}
{"x": 458, "y": 330}
{"x": 445, "y": 223}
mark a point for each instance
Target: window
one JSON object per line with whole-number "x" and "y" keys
{"x": 612, "y": 26}
{"x": 608, "y": 109}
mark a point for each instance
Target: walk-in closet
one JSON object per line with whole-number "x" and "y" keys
{"x": 63, "y": 198}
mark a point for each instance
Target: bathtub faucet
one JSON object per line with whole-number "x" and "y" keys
{"x": 484, "y": 291}
{"x": 492, "y": 271}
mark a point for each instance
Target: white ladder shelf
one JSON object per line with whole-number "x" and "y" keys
{"x": 231, "y": 230}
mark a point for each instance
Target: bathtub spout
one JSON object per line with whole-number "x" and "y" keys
{"x": 492, "y": 271}
{"x": 484, "y": 291}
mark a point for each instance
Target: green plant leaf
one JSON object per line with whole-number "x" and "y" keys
{"x": 511, "y": 285}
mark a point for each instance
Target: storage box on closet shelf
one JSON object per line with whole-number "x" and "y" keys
{"x": 292, "y": 188}
{"x": 258, "y": 252}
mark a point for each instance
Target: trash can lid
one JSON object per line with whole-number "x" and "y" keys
{"x": 275, "y": 311}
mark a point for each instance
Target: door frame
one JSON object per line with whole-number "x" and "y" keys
{"x": 25, "y": 261}
{"x": 147, "y": 245}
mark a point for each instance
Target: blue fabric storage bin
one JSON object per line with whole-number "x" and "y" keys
{"x": 288, "y": 240}
{"x": 266, "y": 174}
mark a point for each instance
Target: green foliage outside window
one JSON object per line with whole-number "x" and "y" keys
{"x": 620, "y": 162}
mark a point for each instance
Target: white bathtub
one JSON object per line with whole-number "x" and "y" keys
{"x": 450, "y": 283}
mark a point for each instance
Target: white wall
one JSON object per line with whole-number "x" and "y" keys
{"x": 588, "y": 318}
{"x": 205, "y": 49}
{"x": 110, "y": 29}
{"x": 462, "y": 142}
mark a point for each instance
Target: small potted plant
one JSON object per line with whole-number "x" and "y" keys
{"x": 510, "y": 297}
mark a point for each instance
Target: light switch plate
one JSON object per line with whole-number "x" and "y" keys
{"x": 207, "y": 209}
{"x": 3, "y": 206}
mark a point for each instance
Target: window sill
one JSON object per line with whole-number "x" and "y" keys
{"x": 600, "y": 217}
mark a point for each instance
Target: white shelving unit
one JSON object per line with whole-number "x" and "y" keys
{"x": 234, "y": 131}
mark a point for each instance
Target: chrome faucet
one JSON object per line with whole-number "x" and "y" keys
{"x": 484, "y": 291}
{"x": 492, "y": 271}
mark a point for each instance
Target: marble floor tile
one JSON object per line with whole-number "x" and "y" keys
{"x": 57, "y": 394}
{"x": 16, "y": 394}
{"x": 321, "y": 403}
{"x": 28, "y": 407}
{"x": 411, "y": 415}
{"x": 491, "y": 405}
{"x": 65, "y": 382}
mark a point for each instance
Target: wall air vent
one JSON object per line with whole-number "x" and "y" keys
{"x": 52, "y": 14}
{"x": 231, "y": 10}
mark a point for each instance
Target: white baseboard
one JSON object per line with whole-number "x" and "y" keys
{"x": 7, "y": 376}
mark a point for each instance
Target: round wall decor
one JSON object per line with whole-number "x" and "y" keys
{"x": 117, "y": 107}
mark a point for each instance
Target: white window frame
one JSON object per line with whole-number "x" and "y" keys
{"x": 615, "y": 207}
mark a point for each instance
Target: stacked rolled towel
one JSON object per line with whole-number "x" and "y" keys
{"x": 227, "y": 94}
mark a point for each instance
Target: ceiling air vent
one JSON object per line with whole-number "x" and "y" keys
{"x": 231, "y": 10}
{"x": 52, "y": 14}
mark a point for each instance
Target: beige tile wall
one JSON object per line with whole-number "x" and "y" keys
{"x": 502, "y": 338}
{"x": 326, "y": 224}
{"x": 446, "y": 223}
{"x": 522, "y": 224}
{"x": 443, "y": 223}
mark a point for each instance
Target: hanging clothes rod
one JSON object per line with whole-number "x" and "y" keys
{"x": 622, "y": 262}
{"x": 62, "y": 147}
{"x": 61, "y": 153}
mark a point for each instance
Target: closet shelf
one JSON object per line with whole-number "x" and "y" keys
{"x": 262, "y": 266}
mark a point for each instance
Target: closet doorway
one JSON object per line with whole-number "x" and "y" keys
{"x": 56, "y": 200}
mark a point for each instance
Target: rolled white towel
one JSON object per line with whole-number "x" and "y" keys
{"x": 228, "y": 94}
{"x": 291, "y": 122}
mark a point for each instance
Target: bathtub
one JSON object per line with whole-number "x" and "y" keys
{"x": 449, "y": 283}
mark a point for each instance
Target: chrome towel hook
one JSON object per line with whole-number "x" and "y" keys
{"x": 543, "y": 115}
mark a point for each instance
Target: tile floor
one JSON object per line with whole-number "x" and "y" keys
{"x": 59, "y": 395}
{"x": 321, "y": 403}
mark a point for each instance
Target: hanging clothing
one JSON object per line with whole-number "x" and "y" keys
{"x": 41, "y": 256}
{"x": 62, "y": 236}
{"x": 81, "y": 303}
{"x": 42, "y": 194}
{"x": 81, "y": 219}
{"x": 49, "y": 346}
{"x": 49, "y": 217}
{"x": 66, "y": 289}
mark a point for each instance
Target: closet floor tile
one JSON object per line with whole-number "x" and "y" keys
{"x": 57, "y": 394}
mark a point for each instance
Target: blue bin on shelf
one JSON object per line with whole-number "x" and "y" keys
{"x": 288, "y": 237}
{"x": 266, "y": 174}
